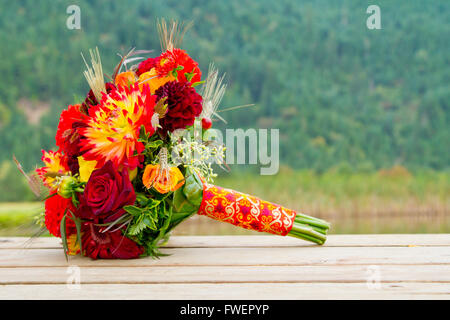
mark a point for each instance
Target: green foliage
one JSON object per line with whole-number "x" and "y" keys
{"x": 152, "y": 144}
{"x": 150, "y": 219}
{"x": 145, "y": 217}
{"x": 154, "y": 216}
{"x": 186, "y": 200}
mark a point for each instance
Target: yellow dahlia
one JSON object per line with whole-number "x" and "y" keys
{"x": 55, "y": 165}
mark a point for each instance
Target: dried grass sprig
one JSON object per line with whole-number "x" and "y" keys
{"x": 33, "y": 181}
{"x": 212, "y": 93}
{"x": 171, "y": 36}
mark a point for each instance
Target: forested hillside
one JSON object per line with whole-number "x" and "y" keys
{"x": 339, "y": 93}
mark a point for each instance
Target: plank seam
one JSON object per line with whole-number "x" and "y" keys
{"x": 221, "y": 282}
{"x": 228, "y": 265}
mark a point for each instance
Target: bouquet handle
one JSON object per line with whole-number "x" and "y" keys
{"x": 252, "y": 213}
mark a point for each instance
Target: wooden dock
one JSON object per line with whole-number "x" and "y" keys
{"x": 236, "y": 267}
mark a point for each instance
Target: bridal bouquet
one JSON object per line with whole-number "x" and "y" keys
{"x": 130, "y": 165}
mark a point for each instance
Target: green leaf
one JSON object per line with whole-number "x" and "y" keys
{"x": 197, "y": 83}
{"x": 142, "y": 199}
{"x": 189, "y": 75}
{"x": 193, "y": 189}
{"x": 77, "y": 222}
{"x": 75, "y": 200}
{"x": 181, "y": 203}
{"x": 137, "y": 228}
{"x": 163, "y": 229}
{"x": 50, "y": 195}
{"x": 133, "y": 210}
{"x": 154, "y": 144}
{"x": 149, "y": 222}
{"x": 63, "y": 234}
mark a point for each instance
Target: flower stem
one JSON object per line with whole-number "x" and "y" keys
{"x": 309, "y": 228}
{"x": 304, "y": 237}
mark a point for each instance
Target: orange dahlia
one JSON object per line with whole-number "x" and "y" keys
{"x": 114, "y": 125}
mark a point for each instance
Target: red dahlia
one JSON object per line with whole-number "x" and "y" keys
{"x": 172, "y": 59}
{"x": 68, "y": 136}
{"x": 183, "y": 105}
{"x": 147, "y": 65}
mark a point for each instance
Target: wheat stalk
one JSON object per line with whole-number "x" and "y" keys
{"x": 213, "y": 92}
{"x": 94, "y": 75}
{"x": 171, "y": 36}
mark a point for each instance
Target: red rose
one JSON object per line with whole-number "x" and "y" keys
{"x": 106, "y": 193}
{"x": 108, "y": 245}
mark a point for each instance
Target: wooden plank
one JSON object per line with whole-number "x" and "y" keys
{"x": 314, "y": 255}
{"x": 363, "y": 240}
{"x": 229, "y": 291}
{"x": 227, "y": 274}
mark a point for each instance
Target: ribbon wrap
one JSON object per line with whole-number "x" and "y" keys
{"x": 245, "y": 211}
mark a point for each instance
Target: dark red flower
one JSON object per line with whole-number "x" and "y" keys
{"x": 108, "y": 245}
{"x": 147, "y": 65}
{"x": 106, "y": 193}
{"x": 183, "y": 102}
{"x": 55, "y": 207}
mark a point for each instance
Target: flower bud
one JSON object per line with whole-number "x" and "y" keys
{"x": 206, "y": 123}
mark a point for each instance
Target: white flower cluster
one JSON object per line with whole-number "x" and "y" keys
{"x": 198, "y": 156}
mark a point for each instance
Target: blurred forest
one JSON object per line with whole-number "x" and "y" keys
{"x": 343, "y": 96}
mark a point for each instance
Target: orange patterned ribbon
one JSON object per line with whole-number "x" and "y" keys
{"x": 245, "y": 211}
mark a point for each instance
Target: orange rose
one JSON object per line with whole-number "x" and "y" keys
{"x": 125, "y": 79}
{"x": 163, "y": 180}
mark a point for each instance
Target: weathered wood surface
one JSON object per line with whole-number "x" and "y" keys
{"x": 237, "y": 267}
